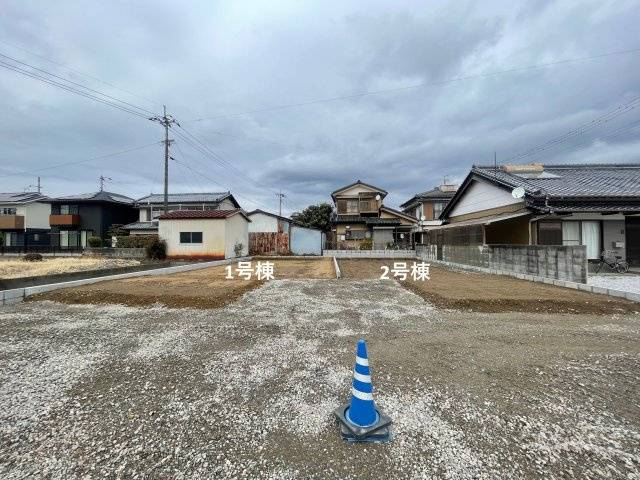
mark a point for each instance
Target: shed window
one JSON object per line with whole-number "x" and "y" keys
{"x": 190, "y": 237}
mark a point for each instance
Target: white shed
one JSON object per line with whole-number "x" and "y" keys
{"x": 205, "y": 234}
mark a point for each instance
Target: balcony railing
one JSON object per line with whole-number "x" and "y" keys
{"x": 64, "y": 220}
{"x": 12, "y": 222}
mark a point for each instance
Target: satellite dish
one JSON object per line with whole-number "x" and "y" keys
{"x": 518, "y": 192}
{"x": 378, "y": 197}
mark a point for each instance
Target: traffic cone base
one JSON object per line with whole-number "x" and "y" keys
{"x": 379, "y": 432}
{"x": 360, "y": 420}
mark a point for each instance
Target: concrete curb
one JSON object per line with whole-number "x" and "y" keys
{"x": 17, "y": 295}
{"x": 634, "y": 297}
{"x": 337, "y": 267}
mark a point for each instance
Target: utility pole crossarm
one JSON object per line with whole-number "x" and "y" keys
{"x": 166, "y": 121}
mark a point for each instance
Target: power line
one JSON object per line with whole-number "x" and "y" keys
{"x": 580, "y": 130}
{"x": 204, "y": 148}
{"x": 78, "y": 72}
{"x": 203, "y": 175}
{"x": 69, "y": 88}
{"x": 30, "y": 172}
{"x": 419, "y": 85}
{"x": 76, "y": 84}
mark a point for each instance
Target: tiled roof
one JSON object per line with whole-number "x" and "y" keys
{"x": 596, "y": 180}
{"x": 185, "y": 197}
{"x": 22, "y": 197}
{"x": 101, "y": 196}
{"x": 359, "y": 182}
{"x": 200, "y": 214}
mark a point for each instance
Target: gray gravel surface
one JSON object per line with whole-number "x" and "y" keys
{"x": 247, "y": 391}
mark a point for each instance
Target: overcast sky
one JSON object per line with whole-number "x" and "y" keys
{"x": 214, "y": 60}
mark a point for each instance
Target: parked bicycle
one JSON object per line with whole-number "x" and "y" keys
{"x": 613, "y": 261}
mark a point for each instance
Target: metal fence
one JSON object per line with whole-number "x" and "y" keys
{"x": 16, "y": 249}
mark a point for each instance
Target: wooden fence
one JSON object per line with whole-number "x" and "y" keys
{"x": 268, "y": 243}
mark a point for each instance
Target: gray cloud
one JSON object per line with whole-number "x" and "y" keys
{"x": 213, "y": 59}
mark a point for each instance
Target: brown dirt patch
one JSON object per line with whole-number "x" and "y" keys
{"x": 207, "y": 288}
{"x": 493, "y": 293}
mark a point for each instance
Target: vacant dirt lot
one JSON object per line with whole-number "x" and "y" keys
{"x": 248, "y": 390}
{"x": 18, "y": 268}
{"x": 492, "y": 293}
{"x": 207, "y": 288}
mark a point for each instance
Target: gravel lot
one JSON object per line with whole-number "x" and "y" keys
{"x": 247, "y": 390}
{"x": 629, "y": 282}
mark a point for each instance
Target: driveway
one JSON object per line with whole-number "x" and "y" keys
{"x": 629, "y": 282}
{"x": 247, "y": 391}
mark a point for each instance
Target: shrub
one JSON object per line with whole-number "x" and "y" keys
{"x": 366, "y": 244}
{"x": 32, "y": 257}
{"x": 116, "y": 230}
{"x": 237, "y": 249}
{"x": 94, "y": 242}
{"x": 156, "y": 249}
{"x": 135, "y": 241}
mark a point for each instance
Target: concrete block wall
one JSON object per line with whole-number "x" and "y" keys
{"x": 563, "y": 263}
{"x": 369, "y": 253}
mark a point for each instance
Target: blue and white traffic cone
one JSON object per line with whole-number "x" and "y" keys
{"x": 360, "y": 420}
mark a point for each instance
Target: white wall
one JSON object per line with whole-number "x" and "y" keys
{"x": 213, "y": 237}
{"x": 236, "y": 231}
{"x": 483, "y": 196}
{"x": 263, "y": 223}
{"x": 36, "y": 215}
{"x": 226, "y": 204}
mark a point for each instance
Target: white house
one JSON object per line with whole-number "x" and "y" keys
{"x": 205, "y": 234}
{"x": 24, "y": 218}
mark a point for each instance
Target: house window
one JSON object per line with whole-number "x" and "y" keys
{"x": 9, "y": 211}
{"x": 550, "y": 233}
{"x": 68, "y": 209}
{"x": 190, "y": 237}
{"x": 355, "y": 234}
{"x": 570, "y": 233}
{"x": 437, "y": 209}
{"x": 419, "y": 211}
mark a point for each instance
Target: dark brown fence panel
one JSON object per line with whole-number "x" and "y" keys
{"x": 268, "y": 243}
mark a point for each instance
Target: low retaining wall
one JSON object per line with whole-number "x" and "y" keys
{"x": 17, "y": 295}
{"x": 369, "y": 253}
{"x": 136, "y": 253}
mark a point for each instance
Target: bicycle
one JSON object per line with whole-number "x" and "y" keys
{"x": 613, "y": 261}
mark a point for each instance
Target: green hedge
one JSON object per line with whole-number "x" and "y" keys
{"x": 135, "y": 241}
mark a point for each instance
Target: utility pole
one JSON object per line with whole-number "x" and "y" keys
{"x": 39, "y": 186}
{"x": 102, "y": 180}
{"x": 166, "y": 121}
{"x": 280, "y": 196}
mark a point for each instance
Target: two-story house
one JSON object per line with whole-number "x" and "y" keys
{"x": 360, "y": 214}
{"x": 76, "y": 218}
{"x": 426, "y": 207}
{"x": 24, "y": 219}
{"x": 151, "y": 207}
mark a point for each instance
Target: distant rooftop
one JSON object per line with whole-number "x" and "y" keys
{"x": 101, "y": 196}
{"x": 22, "y": 197}
{"x": 206, "y": 197}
